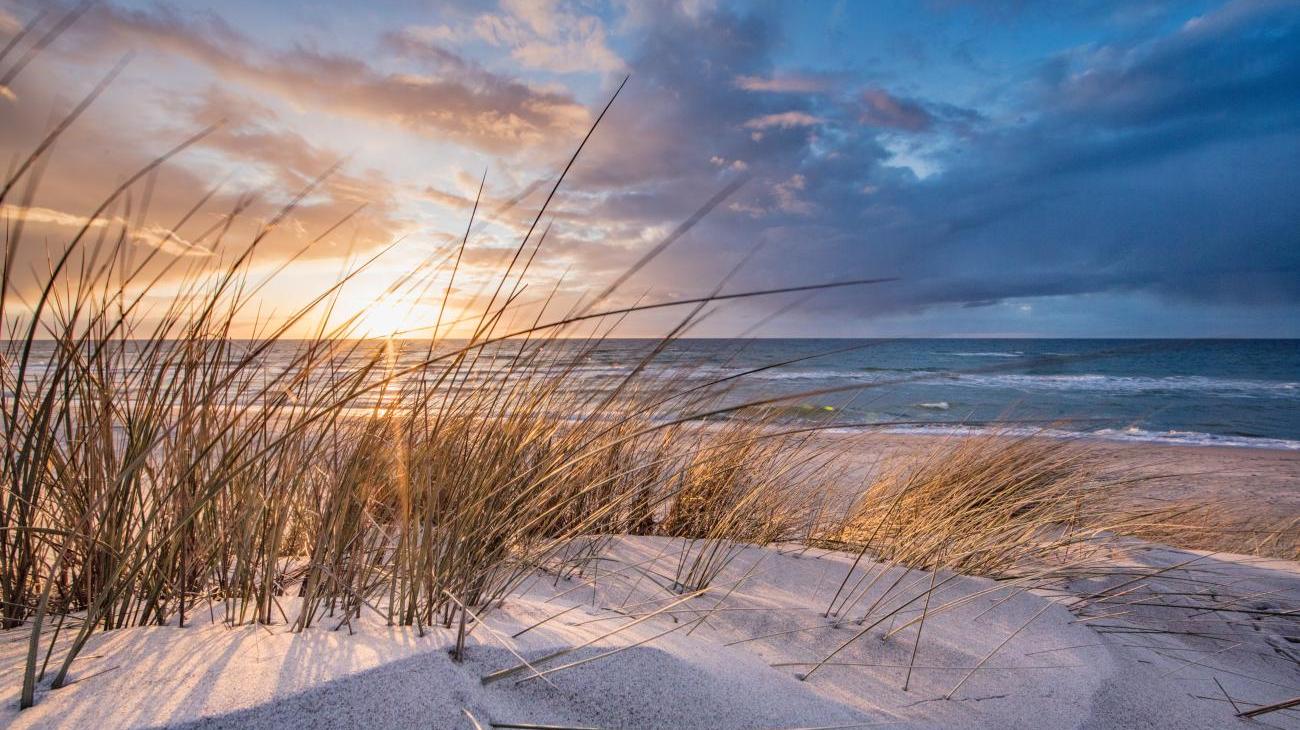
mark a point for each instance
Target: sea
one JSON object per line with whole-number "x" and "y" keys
{"x": 1209, "y": 392}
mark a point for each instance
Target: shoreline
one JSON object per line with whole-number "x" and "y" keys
{"x": 1113, "y": 436}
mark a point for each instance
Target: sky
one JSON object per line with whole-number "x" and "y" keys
{"x": 1099, "y": 168}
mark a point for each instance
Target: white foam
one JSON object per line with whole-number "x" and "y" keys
{"x": 937, "y": 405}
{"x": 1136, "y": 384}
{"x": 1195, "y": 438}
{"x": 1186, "y": 438}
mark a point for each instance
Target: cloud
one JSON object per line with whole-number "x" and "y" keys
{"x": 783, "y": 120}
{"x": 881, "y": 109}
{"x": 550, "y": 37}
{"x": 1148, "y": 162}
{"x": 787, "y": 195}
{"x": 432, "y": 34}
{"x": 154, "y": 236}
{"x": 251, "y": 165}
{"x": 453, "y": 100}
{"x": 1150, "y": 168}
{"x": 784, "y": 84}
{"x": 1238, "y": 60}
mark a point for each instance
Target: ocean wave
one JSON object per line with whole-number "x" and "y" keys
{"x": 1080, "y": 383}
{"x": 935, "y": 406}
{"x": 981, "y": 354}
{"x": 772, "y": 374}
{"x": 1133, "y": 434}
{"x": 1195, "y": 438}
{"x": 776, "y": 374}
{"x": 1135, "y": 384}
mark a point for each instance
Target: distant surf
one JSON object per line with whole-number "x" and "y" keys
{"x": 1200, "y": 392}
{"x": 1203, "y": 392}
{"x": 936, "y": 406}
{"x": 1184, "y": 438}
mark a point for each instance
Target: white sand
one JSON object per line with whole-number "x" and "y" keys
{"x": 1059, "y": 671}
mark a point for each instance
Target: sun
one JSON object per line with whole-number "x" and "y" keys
{"x": 394, "y": 318}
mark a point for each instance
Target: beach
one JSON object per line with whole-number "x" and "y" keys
{"x": 601, "y": 366}
{"x": 739, "y": 657}
{"x": 1119, "y": 646}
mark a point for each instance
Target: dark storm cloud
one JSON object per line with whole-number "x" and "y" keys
{"x": 1165, "y": 164}
{"x": 706, "y": 104}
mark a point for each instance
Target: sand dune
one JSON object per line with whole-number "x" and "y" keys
{"x": 698, "y": 664}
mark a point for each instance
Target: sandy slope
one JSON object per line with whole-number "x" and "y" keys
{"x": 1060, "y": 670}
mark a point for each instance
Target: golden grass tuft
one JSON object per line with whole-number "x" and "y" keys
{"x": 993, "y": 503}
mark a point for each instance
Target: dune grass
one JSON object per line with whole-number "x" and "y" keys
{"x": 153, "y": 464}
{"x": 991, "y": 503}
